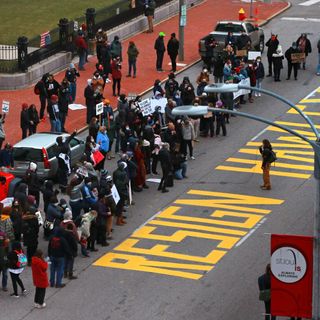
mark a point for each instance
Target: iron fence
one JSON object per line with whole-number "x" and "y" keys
{"x": 106, "y": 18}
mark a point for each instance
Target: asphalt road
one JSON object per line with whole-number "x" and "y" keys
{"x": 196, "y": 252}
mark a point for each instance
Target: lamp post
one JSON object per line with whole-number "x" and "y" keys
{"x": 202, "y": 110}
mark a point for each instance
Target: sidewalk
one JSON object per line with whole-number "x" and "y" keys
{"x": 201, "y": 20}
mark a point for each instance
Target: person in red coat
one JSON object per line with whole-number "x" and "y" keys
{"x": 116, "y": 75}
{"x": 40, "y": 278}
{"x": 140, "y": 179}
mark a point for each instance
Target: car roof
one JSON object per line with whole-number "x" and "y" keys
{"x": 231, "y": 21}
{"x": 39, "y": 140}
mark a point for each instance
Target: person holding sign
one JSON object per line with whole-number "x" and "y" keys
{"x": 304, "y": 46}
{"x": 2, "y": 133}
{"x": 292, "y": 63}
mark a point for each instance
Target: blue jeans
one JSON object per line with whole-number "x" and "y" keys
{"x": 82, "y": 59}
{"x": 55, "y": 125}
{"x": 318, "y": 68}
{"x": 73, "y": 91}
{"x": 258, "y": 83}
{"x": 4, "y": 277}
{"x": 132, "y": 65}
{"x": 181, "y": 173}
{"x": 76, "y": 207}
{"x": 56, "y": 271}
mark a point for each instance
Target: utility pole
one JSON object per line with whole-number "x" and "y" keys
{"x": 182, "y": 24}
{"x": 251, "y": 9}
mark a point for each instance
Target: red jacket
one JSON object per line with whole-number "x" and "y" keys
{"x": 115, "y": 71}
{"x": 39, "y": 272}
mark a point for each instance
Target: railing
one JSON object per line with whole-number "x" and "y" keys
{"x": 20, "y": 57}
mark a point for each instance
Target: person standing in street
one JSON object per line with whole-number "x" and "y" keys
{"x": 267, "y": 155}
{"x": 63, "y": 102}
{"x": 173, "y": 49}
{"x": 41, "y": 90}
{"x": 24, "y": 120}
{"x": 292, "y": 64}
{"x": 132, "y": 59}
{"x": 160, "y": 50}
{"x": 264, "y": 283}
{"x": 318, "y": 67}
{"x": 277, "y": 58}
{"x": 166, "y": 166}
{"x": 40, "y": 278}
{"x": 304, "y": 45}
{"x": 272, "y": 45}
{"x": 2, "y": 133}
{"x": 90, "y": 100}
{"x": 259, "y": 71}
{"x": 54, "y": 114}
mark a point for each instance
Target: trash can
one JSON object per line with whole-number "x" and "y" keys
{"x": 22, "y": 45}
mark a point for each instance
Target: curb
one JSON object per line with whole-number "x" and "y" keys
{"x": 289, "y": 5}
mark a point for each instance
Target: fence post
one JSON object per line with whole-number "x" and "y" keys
{"x": 22, "y": 45}
{"x": 63, "y": 32}
{"x": 90, "y": 21}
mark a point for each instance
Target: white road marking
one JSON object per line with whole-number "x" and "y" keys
{"x": 309, "y": 3}
{"x": 301, "y": 19}
{"x": 250, "y": 233}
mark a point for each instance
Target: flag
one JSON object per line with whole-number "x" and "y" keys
{"x": 45, "y": 39}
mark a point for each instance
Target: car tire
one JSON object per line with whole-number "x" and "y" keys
{"x": 261, "y": 45}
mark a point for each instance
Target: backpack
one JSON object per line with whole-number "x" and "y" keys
{"x": 22, "y": 259}
{"x": 36, "y": 89}
{"x": 272, "y": 157}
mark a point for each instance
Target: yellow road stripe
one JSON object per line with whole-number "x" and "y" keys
{"x": 302, "y": 132}
{"x": 196, "y": 227}
{"x": 296, "y": 124}
{"x": 316, "y": 100}
{"x": 298, "y": 145}
{"x": 161, "y": 250}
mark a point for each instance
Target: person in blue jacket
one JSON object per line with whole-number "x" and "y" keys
{"x": 103, "y": 141}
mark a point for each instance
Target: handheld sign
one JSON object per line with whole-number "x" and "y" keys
{"x": 99, "y": 108}
{"x": 5, "y": 106}
{"x": 145, "y": 106}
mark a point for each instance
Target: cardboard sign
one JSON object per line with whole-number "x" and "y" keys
{"x": 99, "y": 108}
{"x": 241, "y": 53}
{"x": 145, "y": 106}
{"x": 115, "y": 194}
{"x": 298, "y": 57}
{"x": 5, "y": 106}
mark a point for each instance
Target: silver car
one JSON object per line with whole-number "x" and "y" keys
{"x": 41, "y": 148}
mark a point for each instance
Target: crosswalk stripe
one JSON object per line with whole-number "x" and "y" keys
{"x": 309, "y": 3}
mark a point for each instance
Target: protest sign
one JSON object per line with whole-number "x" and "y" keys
{"x": 75, "y": 106}
{"x": 241, "y": 53}
{"x": 99, "y": 108}
{"x": 115, "y": 194}
{"x": 298, "y": 57}
{"x": 162, "y": 102}
{"x": 145, "y": 107}
{"x": 244, "y": 82}
{"x": 5, "y": 106}
{"x": 253, "y": 55}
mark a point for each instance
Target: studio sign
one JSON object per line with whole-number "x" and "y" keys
{"x": 288, "y": 264}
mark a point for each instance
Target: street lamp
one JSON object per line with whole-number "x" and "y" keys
{"x": 202, "y": 110}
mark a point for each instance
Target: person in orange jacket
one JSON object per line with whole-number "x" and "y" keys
{"x": 40, "y": 278}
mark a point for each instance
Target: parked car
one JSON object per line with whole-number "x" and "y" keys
{"x": 221, "y": 30}
{"x": 8, "y": 188}
{"x": 41, "y": 148}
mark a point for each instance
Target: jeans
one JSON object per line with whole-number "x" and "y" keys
{"x": 16, "y": 280}
{"x": 258, "y": 83}
{"x": 133, "y": 65}
{"x": 318, "y": 68}
{"x": 82, "y": 60}
{"x": 39, "y": 295}
{"x": 68, "y": 265}
{"x": 55, "y": 125}
{"x": 181, "y": 173}
{"x": 76, "y": 207}
{"x": 4, "y": 277}
{"x": 160, "y": 55}
{"x": 73, "y": 91}
{"x": 63, "y": 117}
{"x": 56, "y": 271}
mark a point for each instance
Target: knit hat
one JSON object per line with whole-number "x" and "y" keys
{"x": 67, "y": 214}
{"x": 24, "y": 106}
{"x": 71, "y": 66}
{"x": 219, "y": 104}
{"x": 33, "y": 166}
{"x": 161, "y": 34}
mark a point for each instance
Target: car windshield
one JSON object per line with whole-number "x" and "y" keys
{"x": 229, "y": 27}
{"x": 27, "y": 154}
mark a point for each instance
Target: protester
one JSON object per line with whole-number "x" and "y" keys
{"x": 52, "y": 87}
{"x": 41, "y": 90}
{"x": 116, "y": 75}
{"x": 24, "y": 120}
{"x": 4, "y": 247}
{"x": 71, "y": 75}
{"x": 292, "y": 64}
{"x": 116, "y": 49}
{"x": 149, "y": 7}
{"x": 304, "y": 46}
{"x": 173, "y": 49}
{"x": 17, "y": 261}
{"x": 160, "y": 50}
{"x": 2, "y": 133}
{"x": 277, "y": 58}
{"x": 166, "y": 166}
{"x": 272, "y": 45}
{"x": 267, "y": 158}
{"x": 220, "y": 117}
{"x": 64, "y": 99}
{"x": 82, "y": 47}
{"x": 132, "y": 53}
{"x": 54, "y": 114}
{"x": 39, "y": 268}
{"x": 259, "y": 72}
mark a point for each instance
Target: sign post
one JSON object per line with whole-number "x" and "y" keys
{"x": 182, "y": 24}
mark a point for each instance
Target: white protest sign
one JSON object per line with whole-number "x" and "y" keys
{"x": 5, "y": 106}
{"x": 115, "y": 194}
{"x": 145, "y": 106}
{"x": 7, "y": 202}
{"x": 99, "y": 108}
{"x": 162, "y": 102}
{"x": 74, "y": 106}
{"x": 253, "y": 55}
{"x": 82, "y": 172}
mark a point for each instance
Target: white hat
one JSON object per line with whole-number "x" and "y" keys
{"x": 33, "y": 166}
{"x": 89, "y": 81}
{"x": 145, "y": 143}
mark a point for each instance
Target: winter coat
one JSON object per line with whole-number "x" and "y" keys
{"x": 58, "y": 246}
{"x": 187, "y": 132}
{"x": 159, "y": 45}
{"x": 116, "y": 49}
{"x": 53, "y": 111}
{"x": 32, "y": 181}
{"x": 121, "y": 180}
{"x": 30, "y": 229}
{"x": 103, "y": 213}
{"x": 13, "y": 260}
{"x": 64, "y": 98}
{"x": 72, "y": 74}
{"x": 21, "y": 195}
{"x": 72, "y": 242}
{"x": 289, "y": 52}
{"x": 7, "y": 228}
{"x": 227, "y": 99}
{"x": 218, "y": 65}
{"x": 242, "y": 41}
{"x": 307, "y": 48}
{"x": 173, "y": 47}
{"x": 41, "y": 87}
{"x": 116, "y": 70}
{"x": 132, "y": 53}
{"x": 277, "y": 60}
{"x": 24, "y": 119}
{"x": 165, "y": 160}
{"x": 103, "y": 141}
{"x": 259, "y": 69}
{"x": 53, "y": 213}
{"x": 52, "y": 88}
{"x": 39, "y": 269}
{"x": 64, "y": 224}
{"x": 272, "y": 46}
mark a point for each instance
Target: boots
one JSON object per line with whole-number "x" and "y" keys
{"x": 119, "y": 221}
{"x": 65, "y": 274}
{"x": 71, "y": 276}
